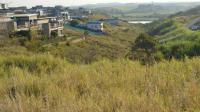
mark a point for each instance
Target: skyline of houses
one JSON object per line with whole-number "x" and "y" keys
{"x": 66, "y": 13}
{"x": 30, "y": 22}
{"x": 46, "y": 20}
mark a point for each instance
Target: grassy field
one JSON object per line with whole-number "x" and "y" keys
{"x": 43, "y": 83}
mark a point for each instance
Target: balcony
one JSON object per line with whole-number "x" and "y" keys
{"x": 26, "y": 27}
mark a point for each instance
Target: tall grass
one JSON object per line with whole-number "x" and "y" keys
{"x": 42, "y": 83}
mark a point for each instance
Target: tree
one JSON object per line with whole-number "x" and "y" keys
{"x": 145, "y": 42}
{"x": 74, "y": 22}
{"x": 54, "y": 34}
{"x": 85, "y": 34}
{"x": 144, "y": 49}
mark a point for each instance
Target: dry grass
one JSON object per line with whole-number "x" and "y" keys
{"x": 42, "y": 83}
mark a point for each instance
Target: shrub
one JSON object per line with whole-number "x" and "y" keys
{"x": 144, "y": 49}
{"x": 74, "y": 22}
{"x": 54, "y": 34}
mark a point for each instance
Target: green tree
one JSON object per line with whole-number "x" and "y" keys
{"x": 74, "y": 22}
{"x": 54, "y": 34}
{"x": 144, "y": 49}
{"x": 85, "y": 34}
{"x": 145, "y": 42}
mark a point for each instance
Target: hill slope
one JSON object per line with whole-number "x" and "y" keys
{"x": 134, "y": 11}
{"x": 114, "y": 44}
{"x": 175, "y": 37}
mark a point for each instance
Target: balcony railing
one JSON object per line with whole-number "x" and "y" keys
{"x": 26, "y": 27}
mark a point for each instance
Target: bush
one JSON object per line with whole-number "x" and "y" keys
{"x": 22, "y": 41}
{"x": 74, "y": 22}
{"x": 33, "y": 45}
{"x": 54, "y": 34}
{"x": 144, "y": 49}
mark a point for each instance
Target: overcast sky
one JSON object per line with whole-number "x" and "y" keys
{"x": 80, "y": 2}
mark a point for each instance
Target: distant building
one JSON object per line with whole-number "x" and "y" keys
{"x": 79, "y": 13}
{"x": 55, "y": 25}
{"x": 37, "y": 7}
{"x": 95, "y": 25}
{"x": 3, "y": 9}
{"x": 194, "y": 27}
{"x": 18, "y": 10}
{"x": 3, "y": 6}
{"x": 65, "y": 15}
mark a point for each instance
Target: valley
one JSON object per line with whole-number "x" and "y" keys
{"x": 107, "y": 57}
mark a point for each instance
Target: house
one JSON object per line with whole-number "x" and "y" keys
{"x": 84, "y": 11}
{"x": 95, "y": 25}
{"x": 60, "y": 12}
{"x": 24, "y": 21}
{"x": 55, "y": 26}
{"x": 3, "y": 9}
{"x": 39, "y": 9}
{"x": 195, "y": 27}
{"x": 3, "y": 6}
{"x": 65, "y": 15}
{"x": 79, "y": 13}
{"x": 27, "y": 22}
{"x": 18, "y": 10}
{"x": 6, "y": 26}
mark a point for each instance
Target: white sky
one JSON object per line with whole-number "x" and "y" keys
{"x": 79, "y": 2}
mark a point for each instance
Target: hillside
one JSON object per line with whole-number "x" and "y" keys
{"x": 114, "y": 44}
{"x": 192, "y": 11}
{"x": 134, "y": 11}
{"x": 175, "y": 38}
{"x": 131, "y": 6}
{"x": 124, "y": 68}
{"x": 44, "y": 83}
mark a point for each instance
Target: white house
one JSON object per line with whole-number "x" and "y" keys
{"x": 95, "y": 25}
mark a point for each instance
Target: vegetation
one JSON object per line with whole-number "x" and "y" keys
{"x": 134, "y": 11}
{"x": 175, "y": 39}
{"x": 145, "y": 49}
{"x": 90, "y": 72}
{"x": 44, "y": 83}
{"x": 113, "y": 44}
{"x": 74, "y": 22}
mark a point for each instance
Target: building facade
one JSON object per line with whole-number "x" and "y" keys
{"x": 3, "y": 6}
{"x": 7, "y": 25}
{"x": 27, "y": 22}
